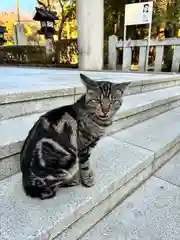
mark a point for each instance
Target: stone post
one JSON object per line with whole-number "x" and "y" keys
{"x": 112, "y": 52}
{"x": 20, "y": 38}
{"x": 90, "y": 25}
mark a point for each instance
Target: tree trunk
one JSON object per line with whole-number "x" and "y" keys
{"x": 161, "y": 8}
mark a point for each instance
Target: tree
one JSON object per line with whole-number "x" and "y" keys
{"x": 67, "y": 14}
{"x": 9, "y": 34}
{"x": 66, "y": 27}
{"x": 166, "y": 14}
{"x": 166, "y": 17}
{"x": 114, "y": 17}
{"x": 31, "y": 34}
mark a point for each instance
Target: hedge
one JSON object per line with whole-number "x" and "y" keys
{"x": 22, "y": 54}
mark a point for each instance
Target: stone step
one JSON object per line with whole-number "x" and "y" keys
{"x": 151, "y": 212}
{"x": 143, "y": 215}
{"x": 170, "y": 172}
{"x": 121, "y": 162}
{"x": 32, "y": 91}
{"x": 135, "y": 108}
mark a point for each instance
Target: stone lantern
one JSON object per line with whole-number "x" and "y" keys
{"x": 47, "y": 19}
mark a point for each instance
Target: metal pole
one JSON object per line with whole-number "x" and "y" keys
{"x": 18, "y": 22}
{"x": 17, "y": 11}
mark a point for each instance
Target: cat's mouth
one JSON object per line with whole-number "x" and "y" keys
{"x": 103, "y": 117}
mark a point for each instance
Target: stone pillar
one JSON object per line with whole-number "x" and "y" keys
{"x": 90, "y": 25}
{"x": 49, "y": 47}
{"x": 19, "y": 35}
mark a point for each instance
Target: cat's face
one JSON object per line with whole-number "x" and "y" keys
{"x": 103, "y": 99}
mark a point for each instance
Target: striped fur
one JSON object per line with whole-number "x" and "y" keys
{"x": 57, "y": 149}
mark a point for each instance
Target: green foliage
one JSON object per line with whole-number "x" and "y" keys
{"x": 9, "y": 34}
{"x": 112, "y": 10}
{"x": 164, "y": 12}
{"x": 67, "y": 14}
{"x": 68, "y": 51}
{"x": 22, "y": 54}
{"x": 37, "y": 54}
{"x": 171, "y": 14}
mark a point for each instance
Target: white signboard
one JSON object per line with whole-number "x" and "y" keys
{"x": 138, "y": 13}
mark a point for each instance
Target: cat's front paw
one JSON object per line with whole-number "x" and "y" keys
{"x": 87, "y": 179}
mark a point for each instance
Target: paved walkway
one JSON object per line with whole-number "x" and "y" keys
{"x": 151, "y": 213}
{"x": 21, "y": 79}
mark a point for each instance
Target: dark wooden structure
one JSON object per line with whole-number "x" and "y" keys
{"x": 47, "y": 19}
{"x": 2, "y": 38}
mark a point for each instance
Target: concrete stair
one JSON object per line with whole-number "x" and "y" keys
{"x": 136, "y": 108}
{"x": 151, "y": 212}
{"x": 144, "y": 137}
{"x": 126, "y": 161}
{"x": 26, "y": 97}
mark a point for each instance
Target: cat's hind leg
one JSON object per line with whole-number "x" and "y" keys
{"x": 48, "y": 193}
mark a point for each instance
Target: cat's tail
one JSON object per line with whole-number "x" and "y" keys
{"x": 35, "y": 191}
{"x": 32, "y": 191}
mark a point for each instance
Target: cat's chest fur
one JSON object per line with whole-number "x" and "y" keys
{"x": 89, "y": 125}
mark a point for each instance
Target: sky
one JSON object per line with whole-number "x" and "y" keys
{"x": 26, "y": 6}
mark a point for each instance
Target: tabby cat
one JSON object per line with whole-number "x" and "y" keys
{"x": 57, "y": 149}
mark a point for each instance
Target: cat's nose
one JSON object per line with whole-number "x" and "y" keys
{"x": 105, "y": 106}
{"x": 105, "y": 111}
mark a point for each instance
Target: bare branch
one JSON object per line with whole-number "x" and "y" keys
{"x": 61, "y": 4}
{"x": 62, "y": 20}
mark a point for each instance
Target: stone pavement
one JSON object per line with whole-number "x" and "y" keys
{"x": 151, "y": 213}
{"x": 15, "y": 79}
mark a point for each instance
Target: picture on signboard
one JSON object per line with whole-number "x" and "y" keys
{"x": 145, "y": 14}
{"x": 138, "y": 13}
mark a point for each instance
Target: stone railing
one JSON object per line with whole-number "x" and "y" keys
{"x": 128, "y": 45}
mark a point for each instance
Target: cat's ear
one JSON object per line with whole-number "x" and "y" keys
{"x": 89, "y": 83}
{"x": 122, "y": 86}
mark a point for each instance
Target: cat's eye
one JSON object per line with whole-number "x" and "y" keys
{"x": 114, "y": 100}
